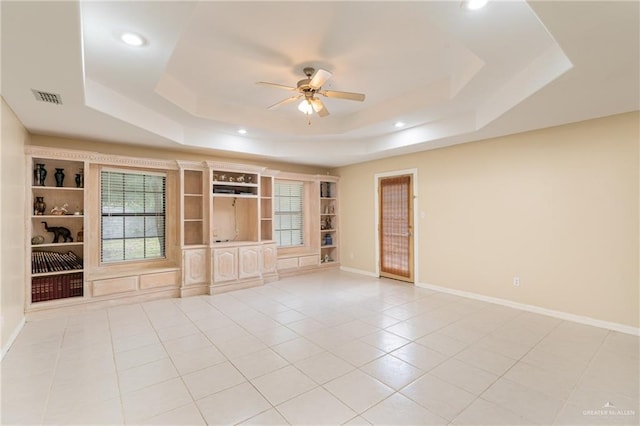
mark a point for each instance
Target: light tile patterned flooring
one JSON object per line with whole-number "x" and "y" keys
{"x": 327, "y": 348}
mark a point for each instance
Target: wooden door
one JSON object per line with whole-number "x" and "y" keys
{"x": 396, "y": 227}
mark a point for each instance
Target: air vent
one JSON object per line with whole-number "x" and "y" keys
{"x": 51, "y": 98}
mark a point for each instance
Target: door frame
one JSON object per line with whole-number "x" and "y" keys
{"x": 376, "y": 201}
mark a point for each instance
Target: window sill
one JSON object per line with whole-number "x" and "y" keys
{"x": 287, "y": 252}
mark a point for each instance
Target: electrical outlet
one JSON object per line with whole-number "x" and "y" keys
{"x": 516, "y": 281}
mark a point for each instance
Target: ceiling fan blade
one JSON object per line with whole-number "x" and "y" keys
{"x": 279, "y": 86}
{"x": 343, "y": 95}
{"x": 285, "y": 101}
{"x": 319, "y": 78}
{"x": 319, "y": 107}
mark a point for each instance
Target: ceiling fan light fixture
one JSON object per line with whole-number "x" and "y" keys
{"x": 305, "y": 107}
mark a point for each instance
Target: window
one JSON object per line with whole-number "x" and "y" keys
{"x": 133, "y": 216}
{"x": 288, "y": 213}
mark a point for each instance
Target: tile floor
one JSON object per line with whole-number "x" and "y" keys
{"x": 328, "y": 348}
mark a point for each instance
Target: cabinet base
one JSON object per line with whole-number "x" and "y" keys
{"x": 194, "y": 290}
{"x": 224, "y": 287}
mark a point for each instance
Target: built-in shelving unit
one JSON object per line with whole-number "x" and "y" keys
{"x": 266, "y": 208}
{"x": 219, "y": 230}
{"x": 329, "y": 243}
{"x": 234, "y": 205}
{"x": 193, "y": 218}
{"x": 56, "y": 231}
{"x": 234, "y": 184}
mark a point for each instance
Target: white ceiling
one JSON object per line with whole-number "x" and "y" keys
{"x": 452, "y": 75}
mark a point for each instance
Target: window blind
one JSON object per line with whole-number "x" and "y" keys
{"x": 133, "y": 216}
{"x": 289, "y": 217}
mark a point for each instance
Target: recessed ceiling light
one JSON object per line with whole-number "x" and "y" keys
{"x": 475, "y": 4}
{"x": 242, "y": 131}
{"x": 132, "y": 39}
{"x": 398, "y": 124}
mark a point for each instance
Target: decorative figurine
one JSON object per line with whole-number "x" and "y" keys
{"x": 59, "y": 232}
{"x": 59, "y": 211}
{"x": 80, "y": 180}
{"x": 38, "y": 239}
{"x": 39, "y": 206}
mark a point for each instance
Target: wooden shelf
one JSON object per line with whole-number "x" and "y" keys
{"x": 56, "y": 216}
{"x": 57, "y": 244}
{"x": 222, "y": 195}
{"x": 47, "y": 274}
{"x": 225, "y": 183}
{"x": 57, "y": 188}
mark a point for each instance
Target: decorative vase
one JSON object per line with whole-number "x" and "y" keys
{"x": 39, "y": 206}
{"x": 328, "y": 240}
{"x": 79, "y": 180}
{"x": 80, "y": 236}
{"x": 40, "y": 174}
{"x": 59, "y": 175}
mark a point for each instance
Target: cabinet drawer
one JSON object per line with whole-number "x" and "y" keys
{"x": 288, "y": 263}
{"x": 115, "y": 285}
{"x": 309, "y": 260}
{"x": 161, "y": 279}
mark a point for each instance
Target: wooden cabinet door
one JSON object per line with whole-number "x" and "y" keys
{"x": 269, "y": 258}
{"x": 194, "y": 266}
{"x": 225, "y": 264}
{"x": 249, "y": 261}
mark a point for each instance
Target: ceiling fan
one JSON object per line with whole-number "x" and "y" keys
{"x": 307, "y": 90}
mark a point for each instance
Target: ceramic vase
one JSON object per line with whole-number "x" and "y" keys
{"x": 40, "y": 174}
{"x": 59, "y": 175}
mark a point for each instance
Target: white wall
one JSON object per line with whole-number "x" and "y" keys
{"x": 12, "y": 225}
{"x": 557, "y": 207}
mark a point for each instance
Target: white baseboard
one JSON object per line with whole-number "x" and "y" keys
{"x": 358, "y": 271}
{"x": 12, "y": 338}
{"x": 622, "y": 328}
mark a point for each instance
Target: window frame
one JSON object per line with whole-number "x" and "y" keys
{"x": 165, "y": 208}
{"x": 302, "y": 213}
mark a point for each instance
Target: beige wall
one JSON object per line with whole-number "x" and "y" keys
{"x": 558, "y": 207}
{"x": 12, "y": 224}
{"x": 163, "y": 154}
